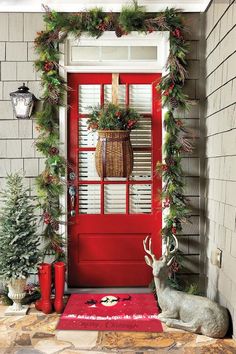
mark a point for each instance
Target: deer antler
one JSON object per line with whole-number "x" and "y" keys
{"x": 148, "y": 250}
{"x": 168, "y": 252}
{"x": 176, "y": 244}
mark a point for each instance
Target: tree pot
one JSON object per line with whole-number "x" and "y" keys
{"x": 16, "y": 293}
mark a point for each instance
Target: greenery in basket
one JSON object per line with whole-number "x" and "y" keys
{"x": 112, "y": 117}
{"x": 19, "y": 241}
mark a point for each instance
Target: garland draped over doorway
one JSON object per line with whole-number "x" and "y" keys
{"x": 94, "y": 22}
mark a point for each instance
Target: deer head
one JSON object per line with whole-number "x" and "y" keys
{"x": 160, "y": 267}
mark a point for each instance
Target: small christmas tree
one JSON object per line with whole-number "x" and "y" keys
{"x": 19, "y": 242}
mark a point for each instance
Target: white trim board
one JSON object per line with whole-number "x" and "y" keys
{"x": 116, "y": 6}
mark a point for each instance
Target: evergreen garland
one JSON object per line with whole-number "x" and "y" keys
{"x": 95, "y": 22}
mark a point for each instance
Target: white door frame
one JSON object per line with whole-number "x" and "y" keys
{"x": 161, "y": 39}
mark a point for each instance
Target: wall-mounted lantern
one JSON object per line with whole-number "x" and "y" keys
{"x": 22, "y": 102}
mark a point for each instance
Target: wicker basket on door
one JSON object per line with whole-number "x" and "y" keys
{"x": 114, "y": 153}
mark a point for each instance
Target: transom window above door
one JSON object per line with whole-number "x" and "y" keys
{"x": 127, "y": 51}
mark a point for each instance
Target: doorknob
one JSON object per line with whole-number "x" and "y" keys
{"x": 72, "y": 193}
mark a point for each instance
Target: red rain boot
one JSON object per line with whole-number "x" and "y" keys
{"x": 45, "y": 280}
{"x": 60, "y": 269}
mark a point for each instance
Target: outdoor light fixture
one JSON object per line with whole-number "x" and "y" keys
{"x": 22, "y": 102}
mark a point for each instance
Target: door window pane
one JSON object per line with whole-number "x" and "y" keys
{"x": 115, "y": 199}
{"x": 89, "y": 199}
{"x": 108, "y": 94}
{"x": 114, "y": 53}
{"x": 87, "y": 138}
{"x": 142, "y": 136}
{"x": 87, "y": 169}
{"x": 84, "y": 53}
{"x": 142, "y": 166}
{"x": 89, "y": 96}
{"x": 141, "y": 98}
{"x": 143, "y": 53}
{"x": 140, "y": 199}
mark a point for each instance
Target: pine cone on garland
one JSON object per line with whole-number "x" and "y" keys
{"x": 174, "y": 102}
{"x": 119, "y": 32}
{"x": 102, "y": 26}
{"x": 47, "y": 177}
{"x": 110, "y": 23}
{"x": 53, "y": 100}
{"x": 161, "y": 22}
{"x": 179, "y": 122}
{"x": 55, "y": 225}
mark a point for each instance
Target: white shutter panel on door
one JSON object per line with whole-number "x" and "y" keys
{"x": 89, "y": 96}
{"x": 89, "y": 199}
{"x": 140, "y": 198}
{"x": 140, "y": 97}
{"x": 115, "y": 198}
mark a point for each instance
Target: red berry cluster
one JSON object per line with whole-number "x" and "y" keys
{"x": 118, "y": 114}
{"x": 53, "y": 151}
{"x": 48, "y": 66}
{"x": 169, "y": 90}
{"x": 173, "y": 229}
{"x": 47, "y": 218}
{"x": 166, "y": 203}
{"x": 131, "y": 124}
{"x": 177, "y": 33}
{"x": 150, "y": 29}
{"x": 174, "y": 267}
{"x": 164, "y": 167}
{"x": 57, "y": 248}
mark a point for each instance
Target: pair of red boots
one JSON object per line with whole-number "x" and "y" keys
{"x": 45, "y": 281}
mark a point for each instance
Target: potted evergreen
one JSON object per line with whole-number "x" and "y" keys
{"x": 114, "y": 154}
{"x": 19, "y": 242}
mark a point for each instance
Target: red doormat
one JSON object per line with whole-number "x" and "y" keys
{"x": 104, "y": 312}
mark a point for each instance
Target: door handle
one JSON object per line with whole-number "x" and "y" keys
{"x": 72, "y": 193}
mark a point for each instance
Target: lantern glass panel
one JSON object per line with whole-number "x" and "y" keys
{"x": 22, "y": 105}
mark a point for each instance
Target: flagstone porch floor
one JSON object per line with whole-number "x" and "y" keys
{"x": 36, "y": 334}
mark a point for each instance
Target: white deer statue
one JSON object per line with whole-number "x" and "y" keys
{"x": 180, "y": 310}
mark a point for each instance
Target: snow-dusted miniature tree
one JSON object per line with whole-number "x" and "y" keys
{"x": 19, "y": 242}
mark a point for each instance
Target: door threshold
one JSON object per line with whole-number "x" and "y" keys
{"x": 141, "y": 290}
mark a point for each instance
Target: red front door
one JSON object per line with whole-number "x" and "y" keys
{"x": 113, "y": 215}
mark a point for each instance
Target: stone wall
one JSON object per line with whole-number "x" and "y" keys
{"x": 17, "y": 151}
{"x": 220, "y": 164}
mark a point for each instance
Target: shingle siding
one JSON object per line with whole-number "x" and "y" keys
{"x": 220, "y": 161}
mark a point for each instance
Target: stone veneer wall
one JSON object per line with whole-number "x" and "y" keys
{"x": 17, "y": 152}
{"x": 220, "y": 164}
